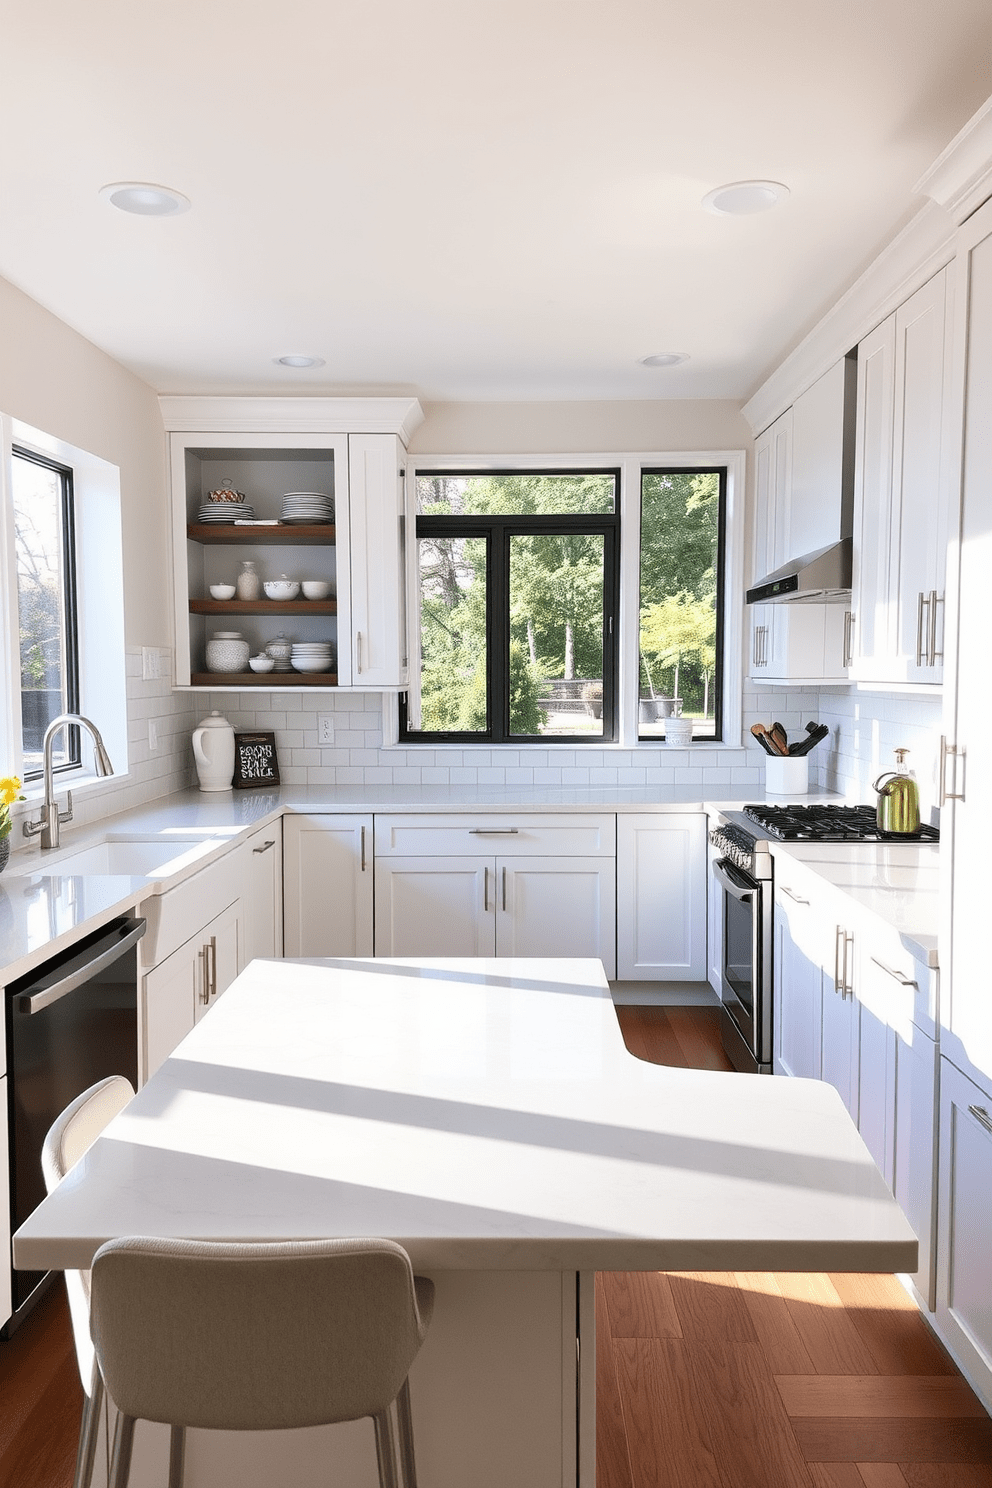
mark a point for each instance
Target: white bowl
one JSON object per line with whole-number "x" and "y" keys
{"x": 316, "y": 588}
{"x": 312, "y": 664}
{"x": 281, "y": 589}
{"x": 223, "y": 591}
{"x": 261, "y": 663}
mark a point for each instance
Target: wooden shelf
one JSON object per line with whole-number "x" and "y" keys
{"x": 263, "y": 679}
{"x": 263, "y": 606}
{"x": 296, "y": 533}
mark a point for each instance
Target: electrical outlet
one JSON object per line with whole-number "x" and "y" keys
{"x": 151, "y": 664}
{"x": 325, "y": 728}
{"x": 152, "y": 735}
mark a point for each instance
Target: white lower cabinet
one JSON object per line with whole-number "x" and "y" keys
{"x": 661, "y": 896}
{"x": 176, "y": 993}
{"x": 261, "y": 858}
{"x": 797, "y": 1008}
{"x": 496, "y": 907}
{"x": 545, "y": 887}
{"x": 964, "y": 1243}
{"x": 853, "y": 1007}
{"x": 327, "y": 898}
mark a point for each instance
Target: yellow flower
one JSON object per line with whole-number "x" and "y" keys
{"x": 10, "y": 789}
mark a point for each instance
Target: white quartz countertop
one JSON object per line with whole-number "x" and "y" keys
{"x": 44, "y": 910}
{"x": 485, "y": 1114}
{"x": 899, "y": 882}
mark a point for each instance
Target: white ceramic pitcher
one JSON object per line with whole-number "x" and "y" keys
{"x": 213, "y": 751}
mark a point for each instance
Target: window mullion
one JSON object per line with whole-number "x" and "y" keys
{"x": 498, "y": 613}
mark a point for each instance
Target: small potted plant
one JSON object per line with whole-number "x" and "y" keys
{"x": 10, "y": 791}
{"x": 592, "y": 696}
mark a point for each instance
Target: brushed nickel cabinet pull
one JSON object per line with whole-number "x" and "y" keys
{"x": 504, "y": 891}
{"x": 950, "y": 753}
{"x": 264, "y": 847}
{"x": 796, "y": 897}
{"x": 982, "y": 1116}
{"x": 358, "y": 651}
{"x": 848, "y": 659}
{"x": 363, "y": 849}
{"x": 933, "y": 655}
{"x": 212, "y": 950}
{"x": 493, "y": 831}
{"x": 896, "y": 975}
{"x": 922, "y": 659}
{"x": 838, "y": 934}
{"x": 485, "y": 890}
{"x": 204, "y": 975}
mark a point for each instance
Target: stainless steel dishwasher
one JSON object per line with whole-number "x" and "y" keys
{"x": 70, "y": 1022}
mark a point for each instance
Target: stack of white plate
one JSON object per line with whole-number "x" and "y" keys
{"x": 313, "y": 656}
{"x": 227, "y": 511}
{"x": 307, "y": 506}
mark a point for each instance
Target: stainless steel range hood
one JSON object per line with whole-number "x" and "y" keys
{"x": 823, "y": 577}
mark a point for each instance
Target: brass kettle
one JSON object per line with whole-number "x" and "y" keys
{"x": 898, "y": 812}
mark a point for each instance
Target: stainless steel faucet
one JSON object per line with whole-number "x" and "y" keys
{"x": 50, "y": 822}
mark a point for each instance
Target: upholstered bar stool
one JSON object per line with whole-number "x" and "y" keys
{"x": 68, "y": 1138}
{"x": 258, "y": 1337}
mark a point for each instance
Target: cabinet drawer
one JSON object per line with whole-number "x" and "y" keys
{"x": 508, "y": 834}
{"x": 899, "y": 989}
{"x": 173, "y": 916}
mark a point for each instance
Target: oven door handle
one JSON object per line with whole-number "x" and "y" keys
{"x": 83, "y": 968}
{"x": 740, "y": 888}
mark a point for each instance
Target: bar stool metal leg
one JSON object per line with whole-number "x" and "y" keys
{"x": 120, "y": 1465}
{"x": 404, "y": 1415}
{"x": 89, "y": 1430}
{"x": 384, "y": 1450}
{"x": 177, "y": 1456}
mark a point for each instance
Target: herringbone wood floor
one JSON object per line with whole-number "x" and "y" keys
{"x": 704, "y": 1381}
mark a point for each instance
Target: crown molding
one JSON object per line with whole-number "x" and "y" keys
{"x": 957, "y": 183}
{"x": 914, "y": 255}
{"x": 960, "y": 179}
{"x": 202, "y": 415}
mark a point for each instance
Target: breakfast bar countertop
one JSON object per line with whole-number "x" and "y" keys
{"x": 484, "y": 1113}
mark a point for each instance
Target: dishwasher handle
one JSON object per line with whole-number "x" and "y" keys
{"x": 81, "y": 969}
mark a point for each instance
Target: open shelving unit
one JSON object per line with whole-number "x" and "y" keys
{"x": 214, "y": 552}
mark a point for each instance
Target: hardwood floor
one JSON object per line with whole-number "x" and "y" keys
{"x": 705, "y": 1380}
{"x": 710, "y": 1380}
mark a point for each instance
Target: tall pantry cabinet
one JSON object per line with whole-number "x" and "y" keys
{"x": 964, "y": 1297}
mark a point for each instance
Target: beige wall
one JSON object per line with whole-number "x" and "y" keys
{"x": 552, "y": 428}
{"x": 60, "y": 383}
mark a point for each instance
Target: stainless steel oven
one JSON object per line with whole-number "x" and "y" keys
{"x": 743, "y": 879}
{"x": 743, "y": 874}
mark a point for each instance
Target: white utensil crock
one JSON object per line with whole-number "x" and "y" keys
{"x": 213, "y": 751}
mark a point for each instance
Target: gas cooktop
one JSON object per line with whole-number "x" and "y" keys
{"x": 801, "y": 823}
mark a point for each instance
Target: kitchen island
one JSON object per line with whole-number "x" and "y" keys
{"x": 487, "y": 1115}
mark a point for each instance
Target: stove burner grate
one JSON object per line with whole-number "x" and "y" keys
{"x": 824, "y": 823}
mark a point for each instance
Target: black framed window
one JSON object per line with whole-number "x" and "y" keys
{"x": 519, "y": 587}
{"x": 683, "y": 531}
{"x": 44, "y": 543}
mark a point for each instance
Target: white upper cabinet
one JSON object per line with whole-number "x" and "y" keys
{"x": 797, "y": 506}
{"x": 378, "y": 562}
{"x": 351, "y": 449}
{"x": 902, "y": 492}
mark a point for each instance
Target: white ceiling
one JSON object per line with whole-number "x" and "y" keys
{"x": 467, "y": 200}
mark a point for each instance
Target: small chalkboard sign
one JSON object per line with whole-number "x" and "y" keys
{"x": 255, "y": 761}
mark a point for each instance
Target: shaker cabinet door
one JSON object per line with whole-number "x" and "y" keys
{"x": 327, "y": 894}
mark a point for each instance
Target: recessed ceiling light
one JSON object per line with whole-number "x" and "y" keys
{"x": 742, "y": 198}
{"x": 665, "y": 359}
{"x": 145, "y": 200}
{"x": 296, "y": 360}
